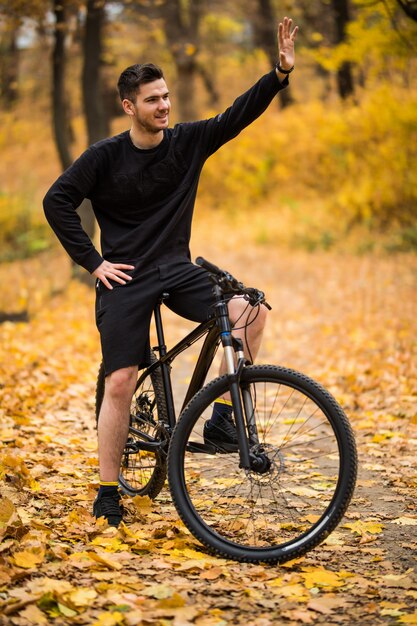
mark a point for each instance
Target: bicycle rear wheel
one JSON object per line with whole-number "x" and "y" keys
{"x": 298, "y": 489}
{"x": 142, "y": 472}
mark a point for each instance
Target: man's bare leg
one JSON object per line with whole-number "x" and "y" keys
{"x": 113, "y": 423}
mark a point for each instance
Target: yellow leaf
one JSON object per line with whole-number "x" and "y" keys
{"x": 382, "y": 436}
{"x": 82, "y": 596}
{"x": 49, "y": 585}
{"x": 142, "y": 502}
{"x": 111, "y": 544}
{"x": 409, "y": 619}
{"x": 28, "y": 559}
{"x": 360, "y": 528}
{"x": 392, "y": 612}
{"x": 109, "y": 619}
{"x": 190, "y": 49}
{"x": 320, "y": 577}
{"x": 405, "y": 521}
{"x": 65, "y": 610}
{"x": 104, "y": 560}
{"x": 304, "y": 492}
{"x": 191, "y": 564}
{"x": 6, "y": 511}
{"x": 175, "y": 602}
{"x": 159, "y": 591}
{"x": 294, "y": 592}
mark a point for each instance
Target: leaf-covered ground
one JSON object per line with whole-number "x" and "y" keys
{"x": 349, "y": 322}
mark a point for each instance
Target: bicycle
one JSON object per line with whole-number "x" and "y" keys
{"x": 292, "y": 476}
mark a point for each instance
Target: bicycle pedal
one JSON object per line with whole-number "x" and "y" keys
{"x": 226, "y": 448}
{"x": 202, "y": 448}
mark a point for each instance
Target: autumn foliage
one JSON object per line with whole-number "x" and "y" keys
{"x": 334, "y": 172}
{"x": 305, "y": 204}
{"x": 347, "y": 321}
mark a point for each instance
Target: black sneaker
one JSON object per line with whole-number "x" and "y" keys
{"x": 222, "y": 435}
{"x": 109, "y": 507}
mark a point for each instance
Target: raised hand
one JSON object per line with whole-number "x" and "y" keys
{"x": 286, "y": 40}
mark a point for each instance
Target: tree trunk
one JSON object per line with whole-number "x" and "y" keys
{"x": 181, "y": 24}
{"x": 9, "y": 66}
{"x": 210, "y": 86}
{"x": 265, "y": 27}
{"x": 60, "y": 111}
{"x": 186, "y": 73}
{"x": 344, "y": 74}
{"x": 409, "y": 7}
{"x": 97, "y": 119}
{"x": 94, "y": 108}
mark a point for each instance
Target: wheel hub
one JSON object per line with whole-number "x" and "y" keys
{"x": 260, "y": 463}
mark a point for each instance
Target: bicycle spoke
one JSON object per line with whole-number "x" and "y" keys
{"x": 258, "y": 509}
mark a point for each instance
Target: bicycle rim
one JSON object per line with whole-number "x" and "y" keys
{"x": 292, "y": 502}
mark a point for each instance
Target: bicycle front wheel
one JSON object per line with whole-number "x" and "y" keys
{"x": 295, "y": 493}
{"x": 142, "y": 472}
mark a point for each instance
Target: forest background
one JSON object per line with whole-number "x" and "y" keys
{"x": 316, "y": 202}
{"x": 332, "y": 164}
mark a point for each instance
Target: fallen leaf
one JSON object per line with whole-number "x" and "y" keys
{"x": 28, "y": 559}
{"x": 34, "y": 615}
{"x": 320, "y": 577}
{"x": 105, "y": 560}
{"x": 405, "y": 521}
{"x": 159, "y": 591}
{"x": 411, "y": 618}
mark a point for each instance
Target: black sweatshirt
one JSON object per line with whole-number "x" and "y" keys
{"x": 144, "y": 199}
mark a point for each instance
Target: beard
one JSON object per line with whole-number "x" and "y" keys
{"x": 147, "y": 123}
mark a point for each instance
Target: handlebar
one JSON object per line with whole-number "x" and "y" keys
{"x": 229, "y": 283}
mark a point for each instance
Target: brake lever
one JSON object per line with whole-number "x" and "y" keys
{"x": 255, "y": 296}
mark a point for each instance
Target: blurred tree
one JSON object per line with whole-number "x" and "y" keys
{"x": 265, "y": 25}
{"x": 9, "y": 63}
{"x": 96, "y": 115}
{"x": 409, "y": 7}
{"x": 60, "y": 101}
{"x": 181, "y": 21}
{"x": 94, "y": 102}
{"x": 97, "y": 120}
{"x": 341, "y": 10}
{"x": 12, "y": 14}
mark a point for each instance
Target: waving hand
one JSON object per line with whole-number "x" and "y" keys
{"x": 286, "y": 40}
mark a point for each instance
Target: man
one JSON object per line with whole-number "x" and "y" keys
{"x": 142, "y": 185}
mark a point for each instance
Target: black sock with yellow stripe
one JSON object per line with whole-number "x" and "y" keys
{"x": 221, "y": 408}
{"x": 108, "y": 489}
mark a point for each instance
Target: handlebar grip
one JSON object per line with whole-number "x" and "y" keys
{"x": 210, "y": 267}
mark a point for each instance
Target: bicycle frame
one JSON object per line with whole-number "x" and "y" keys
{"x": 217, "y": 329}
{"x": 205, "y": 359}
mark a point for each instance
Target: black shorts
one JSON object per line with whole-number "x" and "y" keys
{"x": 123, "y": 314}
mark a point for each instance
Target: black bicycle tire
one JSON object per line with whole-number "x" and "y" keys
{"x": 331, "y": 516}
{"x": 157, "y": 480}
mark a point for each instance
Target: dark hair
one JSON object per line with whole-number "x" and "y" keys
{"x": 134, "y": 76}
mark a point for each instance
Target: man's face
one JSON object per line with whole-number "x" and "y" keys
{"x": 152, "y": 106}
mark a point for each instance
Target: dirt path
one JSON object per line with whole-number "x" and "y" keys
{"x": 349, "y": 322}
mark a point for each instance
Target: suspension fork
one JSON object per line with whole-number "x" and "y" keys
{"x": 231, "y": 346}
{"x": 249, "y": 409}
